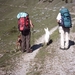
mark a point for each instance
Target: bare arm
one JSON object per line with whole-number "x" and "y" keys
{"x": 31, "y": 24}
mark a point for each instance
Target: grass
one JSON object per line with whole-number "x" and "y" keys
{"x": 42, "y": 15}
{"x": 73, "y": 27}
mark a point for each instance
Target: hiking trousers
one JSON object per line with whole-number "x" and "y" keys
{"x": 64, "y": 37}
{"x": 25, "y": 46}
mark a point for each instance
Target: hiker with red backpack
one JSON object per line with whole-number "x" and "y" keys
{"x": 65, "y": 23}
{"x": 24, "y": 26}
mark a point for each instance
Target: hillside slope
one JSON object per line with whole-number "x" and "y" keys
{"x": 42, "y": 14}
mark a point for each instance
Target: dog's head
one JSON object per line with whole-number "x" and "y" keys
{"x": 19, "y": 37}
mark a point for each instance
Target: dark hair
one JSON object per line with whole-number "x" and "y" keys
{"x": 27, "y": 14}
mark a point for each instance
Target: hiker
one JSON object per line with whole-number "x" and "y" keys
{"x": 64, "y": 21}
{"x": 25, "y": 31}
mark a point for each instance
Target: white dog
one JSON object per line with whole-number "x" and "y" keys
{"x": 47, "y": 35}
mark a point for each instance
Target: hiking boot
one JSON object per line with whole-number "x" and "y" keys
{"x": 23, "y": 51}
{"x": 66, "y": 48}
{"x": 61, "y": 48}
{"x": 29, "y": 51}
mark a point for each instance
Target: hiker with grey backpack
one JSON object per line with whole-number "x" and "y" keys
{"x": 65, "y": 23}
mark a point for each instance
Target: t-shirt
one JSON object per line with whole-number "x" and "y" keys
{"x": 59, "y": 17}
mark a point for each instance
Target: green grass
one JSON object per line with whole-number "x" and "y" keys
{"x": 73, "y": 27}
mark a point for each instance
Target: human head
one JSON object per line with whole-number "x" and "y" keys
{"x": 61, "y": 8}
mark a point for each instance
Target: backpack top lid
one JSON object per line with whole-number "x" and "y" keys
{"x": 21, "y": 14}
{"x": 64, "y": 10}
{"x": 65, "y": 18}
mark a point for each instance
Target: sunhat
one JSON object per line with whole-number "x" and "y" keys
{"x": 21, "y": 14}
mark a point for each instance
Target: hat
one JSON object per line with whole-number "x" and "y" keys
{"x": 61, "y": 7}
{"x": 22, "y": 14}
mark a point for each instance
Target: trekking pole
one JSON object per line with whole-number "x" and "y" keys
{"x": 33, "y": 35}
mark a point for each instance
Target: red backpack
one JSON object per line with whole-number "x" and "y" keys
{"x": 23, "y": 23}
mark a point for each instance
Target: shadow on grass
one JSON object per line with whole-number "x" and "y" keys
{"x": 36, "y": 46}
{"x": 71, "y": 43}
{"x": 50, "y": 41}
